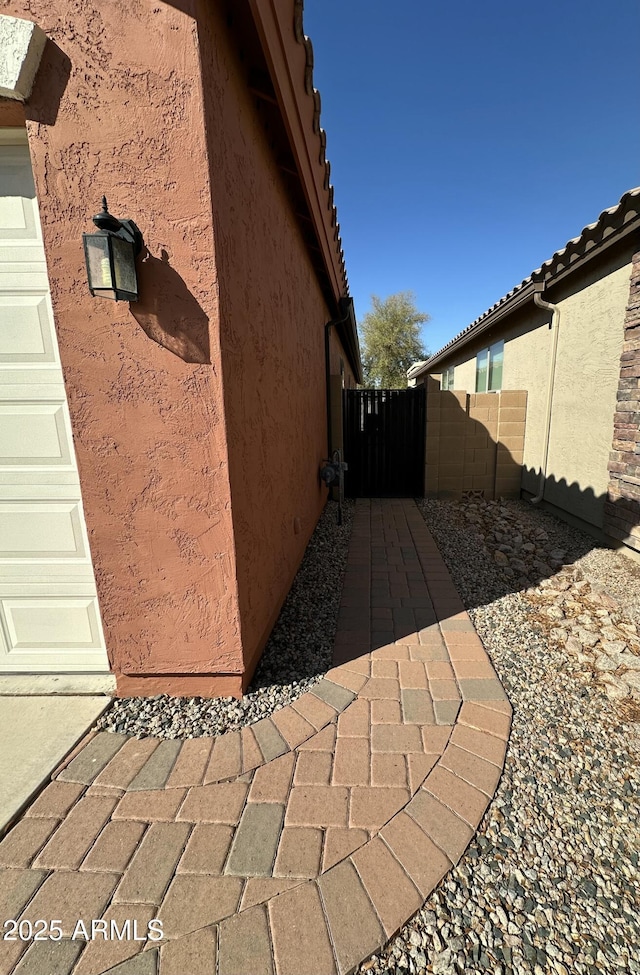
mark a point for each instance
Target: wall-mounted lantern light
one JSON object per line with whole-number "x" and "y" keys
{"x": 110, "y": 254}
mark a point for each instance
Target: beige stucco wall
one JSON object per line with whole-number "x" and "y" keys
{"x": 592, "y": 308}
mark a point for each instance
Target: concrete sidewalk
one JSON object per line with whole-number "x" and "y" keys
{"x": 299, "y": 845}
{"x": 36, "y": 733}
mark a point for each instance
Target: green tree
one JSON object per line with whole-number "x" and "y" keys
{"x": 391, "y": 342}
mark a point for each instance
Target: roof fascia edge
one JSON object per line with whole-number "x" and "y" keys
{"x": 508, "y": 306}
{"x": 615, "y": 238}
{"x": 541, "y": 283}
{"x": 288, "y": 96}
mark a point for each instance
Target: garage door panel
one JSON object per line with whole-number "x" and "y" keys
{"x": 18, "y": 219}
{"x": 49, "y": 613}
{"x": 34, "y": 435}
{"x": 51, "y": 624}
{"x": 25, "y": 336}
{"x": 41, "y": 531}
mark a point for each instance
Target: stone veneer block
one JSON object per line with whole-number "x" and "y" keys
{"x": 271, "y": 742}
{"x": 256, "y": 840}
{"x": 353, "y": 923}
{"x": 333, "y": 694}
{"x": 95, "y": 756}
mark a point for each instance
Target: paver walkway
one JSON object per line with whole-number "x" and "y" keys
{"x": 300, "y": 844}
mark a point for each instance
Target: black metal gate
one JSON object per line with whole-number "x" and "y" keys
{"x": 384, "y": 442}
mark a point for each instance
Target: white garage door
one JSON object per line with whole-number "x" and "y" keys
{"x": 49, "y": 615}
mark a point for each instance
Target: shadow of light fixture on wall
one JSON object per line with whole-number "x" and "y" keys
{"x": 110, "y": 254}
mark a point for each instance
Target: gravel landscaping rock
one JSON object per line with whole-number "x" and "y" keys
{"x": 297, "y": 654}
{"x": 551, "y": 881}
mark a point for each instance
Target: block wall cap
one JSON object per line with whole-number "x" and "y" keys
{"x": 21, "y": 45}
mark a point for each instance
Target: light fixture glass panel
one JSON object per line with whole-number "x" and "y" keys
{"x": 98, "y": 264}
{"x": 125, "y": 267}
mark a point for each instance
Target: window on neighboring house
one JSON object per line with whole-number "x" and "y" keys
{"x": 447, "y": 378}
{"x": 489, "y": 368}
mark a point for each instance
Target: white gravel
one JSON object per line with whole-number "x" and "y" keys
{"x": 297, "y": 654}
{"x": 550, "y": 883}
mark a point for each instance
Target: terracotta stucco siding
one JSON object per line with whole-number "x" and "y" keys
{"x": 272, "y": 339}
{"x": 117, "y": 109}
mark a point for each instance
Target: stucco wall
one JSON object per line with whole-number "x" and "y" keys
{"x": 592, "y": 308}
{"x": 117, "y": 109}
{"x": 272, "y": 339}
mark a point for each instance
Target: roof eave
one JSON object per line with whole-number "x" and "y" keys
{"x": 549, "y": 275}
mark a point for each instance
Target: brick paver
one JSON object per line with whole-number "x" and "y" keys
{"x": 306, "y": 839}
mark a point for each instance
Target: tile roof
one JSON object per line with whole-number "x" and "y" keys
{"x": 312, "y": 92}
{"x": 610, "y": 222}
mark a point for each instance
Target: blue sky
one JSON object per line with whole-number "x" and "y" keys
{"x": 469, "y": 141}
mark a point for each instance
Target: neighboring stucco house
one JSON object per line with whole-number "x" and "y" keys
{"x": 579, "y": 364}
{"x": 159, "y": 460}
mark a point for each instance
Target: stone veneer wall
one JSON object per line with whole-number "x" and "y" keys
{"x": 622, "y": 507}
{"x": 475, "y": 442}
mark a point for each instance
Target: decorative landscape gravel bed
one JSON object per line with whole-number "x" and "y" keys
{"x": 550, "y": 883}
{"x": 297, "y": 654}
